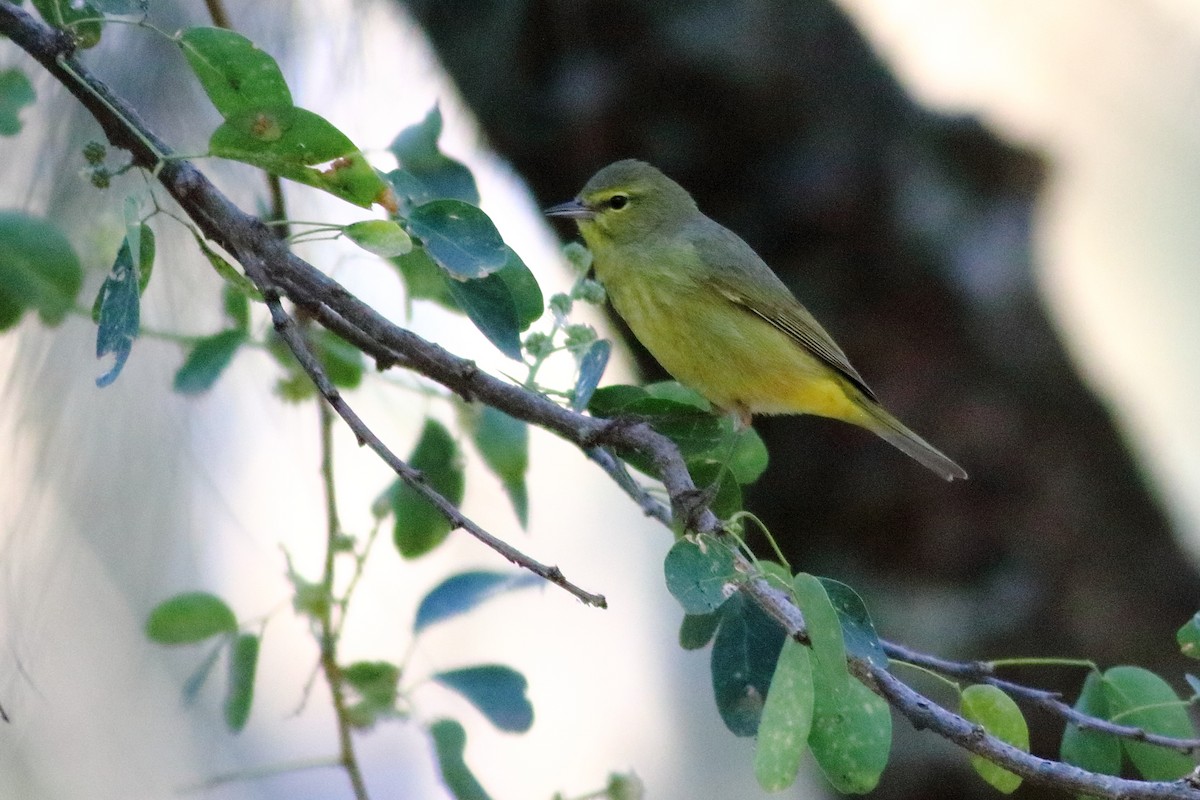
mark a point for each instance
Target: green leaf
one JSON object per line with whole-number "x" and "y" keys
{"x": 678, "y": 393}
{"x": 424, "y": 280}
{"x": 852, "y": 727}
{"x": 61, "y": 13}
{"x": 1189, "y": 637}
{"x": 343, "y": 362}
{"x": 383, "y": 237}
{"x": 697, "y": 630}
{"x": 524, "y": 288}
{"x": 309, "y": 598}
{"x": 498, "y": 692}
{"x": 146, "y": 252}
{"x": 775, "y": 574}
{"x": 293, "y": 143}
{"x": 228, "y": 271}
{"x": 700, "y": 574}
{"x": 1138, "y": 697}
{"x": 118, "y": 314}
{"x": 996, "y": 712}
{"x": 237, "y": 76}
{"x": 1087, "y": 749}
{"x": 419, "y": 526}
{"x": 786, "y": 719}
{"x": 727, "y": 495}
{"x": 612, "y": 400}
{"x": 460, "y": 593}
{"x": 190, "y": 617}
{"x": 685, "y": 416}
{"x": 825, "y": 633}
{"x": 416, "y": 149}
{"x": 858, "y": 630}
{"x": 624, "y": 787}
{"x": 409, "y": 189}
{"x": 696, "y": 431}
{"x": 237, "y": 306}
{"x": 591, "y": 369}
{"x": 38, "y": 269}
{"x": 376, "y": 683}
{"x": 16, "y": 92}
{"x": 744, "y": 653}
{"x": 243, "y": 663}
{"x": 749, "y": 458}
{"x": 133, "y": 236}
{"x": 450, "y": 740}
{"x": 851, "y": 736}
{"x": 488, "y": 303}
{"x": 504, "y": 444}
{"x": 459, "y": 237}
{"x": 207, "y": 360}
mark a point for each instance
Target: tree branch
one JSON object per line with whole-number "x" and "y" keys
{"x": 923, "y": 713}
{"x": 291, "y": 334}
{"x": 268, "y": 262}
{"x": 984, "y": 672}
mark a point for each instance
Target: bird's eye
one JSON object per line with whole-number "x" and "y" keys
{"x": 618, "y": 201}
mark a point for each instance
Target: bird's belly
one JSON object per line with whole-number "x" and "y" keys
{"x": 734, "y": 359}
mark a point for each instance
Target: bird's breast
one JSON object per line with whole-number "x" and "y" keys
{"x": 719, "y": 348}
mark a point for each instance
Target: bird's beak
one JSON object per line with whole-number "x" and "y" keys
{"x": 572, "y": 209}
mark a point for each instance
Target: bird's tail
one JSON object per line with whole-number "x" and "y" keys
{"x": 895, "y": 433}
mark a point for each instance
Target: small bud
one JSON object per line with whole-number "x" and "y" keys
{"x": 560, "y": 305}
{"x": 94, "y": 152}
{"x": 538, "y": 345}
{"x": 579, "y": 337}
{"x": 101, "y": 178}
{"x": 589, "y": 291}
{"x": 579, "y": 256}
{"x": 625, "y": 787}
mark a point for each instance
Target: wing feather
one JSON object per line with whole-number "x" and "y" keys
{"x": 747, "y": 282}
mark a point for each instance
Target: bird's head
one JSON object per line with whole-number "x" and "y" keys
{"x": 627, "y": 202}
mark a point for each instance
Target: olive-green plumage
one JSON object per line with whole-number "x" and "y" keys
{"x": 715, "y": 315}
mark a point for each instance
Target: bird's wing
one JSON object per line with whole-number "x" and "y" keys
{"x": 764, "y": 295}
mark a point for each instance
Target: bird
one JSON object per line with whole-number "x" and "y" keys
{"x": 715, "y": 316}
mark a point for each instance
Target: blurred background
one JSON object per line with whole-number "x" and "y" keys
{"x": 990, "y": 205}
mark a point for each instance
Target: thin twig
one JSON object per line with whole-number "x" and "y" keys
{"x": 650, "y": 505}
{"x": 328, "y": 637}
{"x": 286, "y": 327}
{"x": 216, "y": 10}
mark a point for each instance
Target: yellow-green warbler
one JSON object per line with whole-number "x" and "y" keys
{"x": 715, "y": 315}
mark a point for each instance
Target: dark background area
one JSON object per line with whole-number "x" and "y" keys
{"x": 907, "y": 235}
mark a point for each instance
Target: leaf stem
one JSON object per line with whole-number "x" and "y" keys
{"x": 130, "y": 128}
